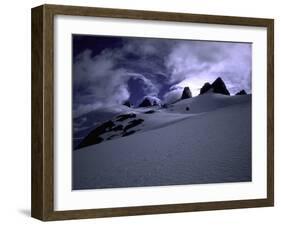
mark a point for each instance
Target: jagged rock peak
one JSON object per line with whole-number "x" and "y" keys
{"x": 218, "y": 86}
{"x": 149, "y": 101}
{"x": 205, "y": 88}
{"x": 241, "y": 92}
{"x": 186, "y": 93}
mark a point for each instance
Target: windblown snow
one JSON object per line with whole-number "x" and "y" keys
{"x": 204, "y": 139}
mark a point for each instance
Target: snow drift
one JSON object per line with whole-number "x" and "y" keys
{"x": 204, "y": 139}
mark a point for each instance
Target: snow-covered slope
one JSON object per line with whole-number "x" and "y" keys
{"x": 205, "y": 139}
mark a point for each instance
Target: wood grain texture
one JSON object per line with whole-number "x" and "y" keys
{"x": 154, "y": 15}
{"x": 270, "y": 111}
{"x": 42, "y": 113}
{"x": 157, "y": 209}
{"x": 43, "y": 107}
{"x": 37, "y": 158}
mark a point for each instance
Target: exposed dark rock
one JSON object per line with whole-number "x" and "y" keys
{"x": 187, "y": 108}
{"x": 127, "y": 103}
{"x": 133, "y": 123}
{"x": 241, "y": 92}
{"x": 218, "y": 86}
{"x": 149, "y": 102}
{"x": 145, "y": 103}
{"x": 206, "y": 87}
{"x": 121, "y": 118}
{"x": 149, "y": 112}
{"x": 128, "y": 133}
{"x": 186, "y": 93}
{"x": 117, "y": 128}
{"x": 109, "y": 138}
{"x": 94, "y": 136}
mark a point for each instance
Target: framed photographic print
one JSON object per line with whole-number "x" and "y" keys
{"x": 141, "y": 112}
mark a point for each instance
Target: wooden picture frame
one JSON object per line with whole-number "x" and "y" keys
{"x": 42, "y": 205}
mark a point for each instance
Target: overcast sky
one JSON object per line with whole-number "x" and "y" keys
{"x": 109, "y": 70}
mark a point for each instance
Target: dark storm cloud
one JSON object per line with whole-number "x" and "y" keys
{"x": 195, "y": 62}
{"x": 161, "y": 67}
{"x": 102, "y": 80}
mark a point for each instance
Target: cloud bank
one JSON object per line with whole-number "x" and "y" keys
{"x": 155, "y": 67}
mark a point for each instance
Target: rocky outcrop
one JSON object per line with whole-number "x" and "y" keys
{"x": 186, "y": 93}
{"x": 94, "y": 137}
{"x": 145, "y": 103}
{"x": 205, "y": 88}
{"x": 241, "y": 92}
{"x": 124, "y": 117}
{"x": 128, "y": 133}
{"x": 111, "y": 129}
{"x": 133, "y": 123}
{"x": 218, "y": 86}
{"x": 149, "y": 102}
